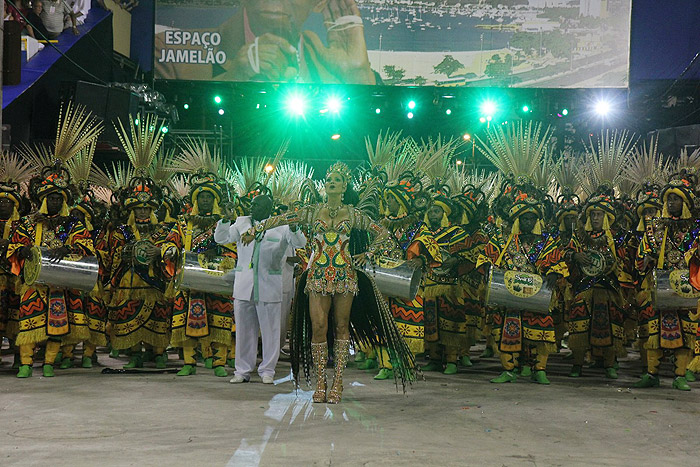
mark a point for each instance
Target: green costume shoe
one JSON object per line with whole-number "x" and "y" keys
{"x": 647, "y": 381}
{"x": 575, "y": 371}
{"x": 466, "y": 361}
{"x": 187, "y": 370}
{"x": 540, "y": 377}
{"x": 360, "y": 357}
{"x": 611, "y": 373}
{"x": 526, "y": 371}
{"x": 450, "y": 369}
{"x": 368, "y": 364}
{"x": 59, "y": 358}
{"x": 66, "y": 363}
{"x": 487, "y": 353}
{"x": 432, "y": 366}
{"x": 220, "y": 371}
{"x": 135, "y": 361}
{"x": 681, "y": 384}
{"x": 690, "y": 376}
{"x": 231, "y": 362}
{"x": 161, "y": 361}
{"x": 86, "y": 362}
{"x": 209, "y": 363}
{"x": 48, "y": 371}
{"x": 505, "y": 377}
{"x": 114, "y": 353}
{"x": 25, "y": 371}
{"x": 148, "y": 356}
{"x": 384, "y": 373}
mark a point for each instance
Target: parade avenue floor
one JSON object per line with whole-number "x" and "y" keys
{"x": 85, "y": 418}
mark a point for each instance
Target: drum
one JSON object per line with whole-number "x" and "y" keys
{"x": 215, "y": 276}
{"x": 673, "y": 290}
{"x": 518, "y": 290}
{"x": 395, "y": 278}
{"x": 72, "y": 272}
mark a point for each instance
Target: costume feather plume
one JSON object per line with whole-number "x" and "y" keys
{"x": 116, "y": 178}
{"x": 604, "y": 160}
{"x": 385, "y": 150}
{"x": 196, "y": 157}
{"x": 286, "y": 181}
{"x": 141, "y": 141}
{"x": 434, "y": 158}
{"x": 39, "y": 155}
{"x": 81, "y": 167}
{"x": 518, "y": 150}
{"x": 13, "y": 169}
{"x": 689, "y": 162}
{"x": 164, "y": 168}
{"x": 77, "y": 128}
{"x": 646, "y": 165}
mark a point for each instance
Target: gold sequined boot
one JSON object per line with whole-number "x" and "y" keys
{"x": 341, "y": 350}
{"x": 319, "y": 353}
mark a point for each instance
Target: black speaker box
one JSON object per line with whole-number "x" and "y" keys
{"x": 12, "y": 54}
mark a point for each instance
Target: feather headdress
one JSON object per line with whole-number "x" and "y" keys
{"x": 604, "y": 161}
{"x": 141, "y": 141}
{"x": 518, "y": 150}
{"x": 646, "y": 165}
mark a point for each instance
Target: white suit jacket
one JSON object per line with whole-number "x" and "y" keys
{"x": 260, "y": 263}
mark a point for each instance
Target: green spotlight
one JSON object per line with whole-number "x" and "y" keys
{"x": 410, "y": 115}
{"x": 217, "y": 99}
{"x": 186, "y": 106}
{"x": 448, "y": 111}
{"x": 165, "y": 129}
{"x": 136, "y": 122}
{"x": 296, "y": 105}
{"x": 565, "y": 112}
{"x": 221, "y": 111}
{"x": 412, "y": 105}
{"x": 488, "y": 108}
{"x": 526, "y": 108}
{"x": 377, "y": 110}
{"x": 333, "y": 104}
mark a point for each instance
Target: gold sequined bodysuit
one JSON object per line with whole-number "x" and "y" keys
{"x": 331, "y": 270}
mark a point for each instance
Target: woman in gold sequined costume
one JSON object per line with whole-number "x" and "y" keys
{"x": 332, "y": 281}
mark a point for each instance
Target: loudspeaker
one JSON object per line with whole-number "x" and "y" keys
{"x": 12, "y": 54}
{"x": 109, "y": 104}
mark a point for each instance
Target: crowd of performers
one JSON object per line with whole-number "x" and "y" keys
{"x": 595, "y": 228}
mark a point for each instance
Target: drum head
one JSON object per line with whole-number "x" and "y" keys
{"x": 141, "y": 252}
{"x": 32, "y": 266}
{"x": 598, "y": 264}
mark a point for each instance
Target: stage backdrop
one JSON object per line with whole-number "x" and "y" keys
{"x": 517, "y": 43}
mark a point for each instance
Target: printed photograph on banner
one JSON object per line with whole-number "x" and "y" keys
{"x": 509, "y": 43}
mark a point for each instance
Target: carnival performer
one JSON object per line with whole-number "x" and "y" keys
{"x": 14, "y": 173}
{"x": 445, "y": 322}
{"x": 333, "y": 281}
{"x": 517, "y": 151}
{"x": 200, "y": 318}
{"x": 138, "y": 306}
{"x": 671, "y": 244}
{"x": 566, "y": 216}
{"x": 473, "y": 283}
{"x": 412, "y": 237}
{"x": 597, "y": 261}
{"x": 257, "y": 290}
{"x": 525, "y": 335}
{"x": 48, "y": 313}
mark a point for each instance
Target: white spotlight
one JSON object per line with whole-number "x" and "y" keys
{"x": 603, "y": 108}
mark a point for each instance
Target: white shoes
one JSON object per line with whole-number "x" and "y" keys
{"x": 268, "y": 380}
{"x": 238, "y": 379}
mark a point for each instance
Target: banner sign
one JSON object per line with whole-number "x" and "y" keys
{"x": 512, "y": 43}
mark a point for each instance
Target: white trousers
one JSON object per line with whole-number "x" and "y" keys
{"x": 286, "y": 310}
{"x": 251, "y": 318}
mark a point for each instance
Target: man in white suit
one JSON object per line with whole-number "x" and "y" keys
{"x": 258, "y": 288}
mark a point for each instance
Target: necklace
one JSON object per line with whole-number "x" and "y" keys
{"x": 333, "y": 212}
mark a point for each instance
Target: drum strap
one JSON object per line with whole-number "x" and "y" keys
{"x": 662, "y": 252}
{"x": 39, "y": 233}
{"x": 188, "y": 236}
{"x": 503, "y": 251}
